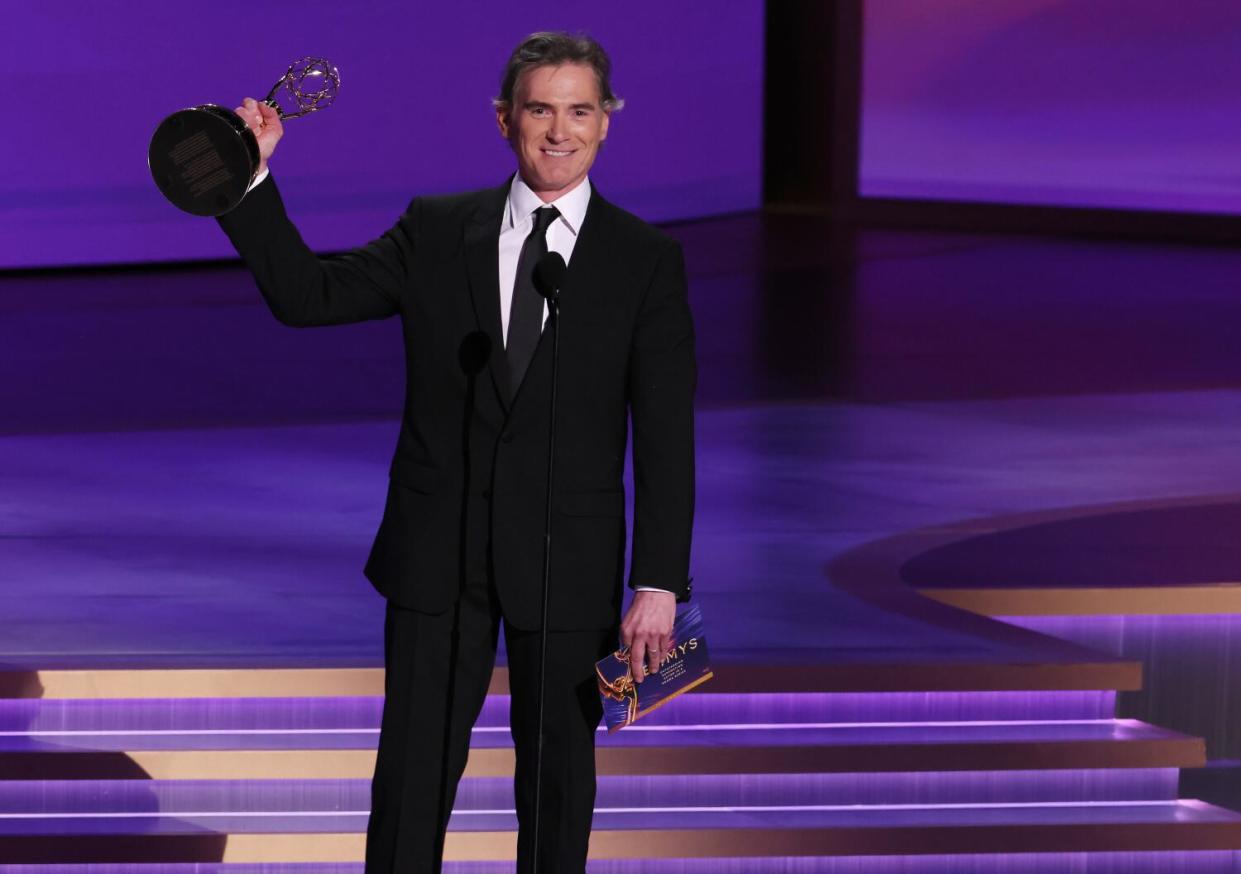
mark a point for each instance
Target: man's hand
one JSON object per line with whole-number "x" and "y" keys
{"x": 647, "y": 630}
{"x": 265, "y": 122}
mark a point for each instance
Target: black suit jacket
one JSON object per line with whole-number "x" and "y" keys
{"x": 627, "y": 347}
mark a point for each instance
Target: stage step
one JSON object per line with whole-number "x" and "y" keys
{"x": 22, "y": 798}
{"x": 1080, "y": 669}
{"x": 703, "y": 706}
{"x": 307, "y": 833}
{"x": 799, "y": 780}
{"x": 641, "y": 749}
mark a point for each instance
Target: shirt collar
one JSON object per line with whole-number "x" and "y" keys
{"x": 522, "y": 202}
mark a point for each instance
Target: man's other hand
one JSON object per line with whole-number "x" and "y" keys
{"x": 265, "y": 123}
{"x": 647, "y": 630}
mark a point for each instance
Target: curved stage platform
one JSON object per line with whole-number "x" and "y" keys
{"x": 190, "y": 658}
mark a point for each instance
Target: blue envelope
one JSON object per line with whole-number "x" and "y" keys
{"x": 684, "y": 666}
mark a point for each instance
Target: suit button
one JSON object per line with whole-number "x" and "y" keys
{"x": 486, "y": 494}
{"x": 507, "y": 437}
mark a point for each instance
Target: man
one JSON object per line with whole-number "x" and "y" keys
{"x": 460, "y": 549}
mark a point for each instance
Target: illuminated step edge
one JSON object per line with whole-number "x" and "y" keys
{"x": 1158, "y": 862}
{"x": 703, "y": 706}
{"x": 1185, "y": 862}
{"x": 1171, "y": 751}
{"x": 168, "y": 797}
{"x": 338, "y": 836}
{"x": 715, "y": 734}
{"x": 1151, "y": 600}
{"x": 351, "y": 682}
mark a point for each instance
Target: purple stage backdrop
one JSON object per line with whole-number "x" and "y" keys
{"x": 1132, "y": 104}
{"x": 88, "y": 82}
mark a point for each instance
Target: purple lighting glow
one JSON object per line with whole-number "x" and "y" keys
{"x": 872, "y": 707}
{"x": 914, "y": 790}
{"x": 417, "y": 76}
{"x": 1038, "y": 863}
{"x": 1190, "y": 664}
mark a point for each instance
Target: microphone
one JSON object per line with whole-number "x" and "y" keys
{"x": 474, "y": 353}
{"x": 548, "y": 274}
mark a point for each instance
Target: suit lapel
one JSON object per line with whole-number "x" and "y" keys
{"x": 482, "y": 243}
{"x": 589, "y": 256}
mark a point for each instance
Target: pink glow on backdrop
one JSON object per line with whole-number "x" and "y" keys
{"x": 1132, "y": 104}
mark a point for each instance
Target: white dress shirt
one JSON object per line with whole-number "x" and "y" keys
{"x": 516, "y": 225}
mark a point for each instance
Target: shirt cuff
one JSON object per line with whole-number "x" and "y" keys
{"x": 259, "y": 179}
{"x": 653, "y": 589}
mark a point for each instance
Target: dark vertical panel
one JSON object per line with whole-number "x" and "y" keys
{"x": 811, "y": 109}
{"x": 812, "y": 87}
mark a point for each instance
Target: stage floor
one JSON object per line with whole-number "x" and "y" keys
{"x": 184, "y": 482}
{"x": 244, "y": 546}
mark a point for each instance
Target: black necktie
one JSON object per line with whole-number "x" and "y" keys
{"x": 525, "y": 322}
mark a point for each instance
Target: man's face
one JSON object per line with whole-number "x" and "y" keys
{"x": 555, "y": 126}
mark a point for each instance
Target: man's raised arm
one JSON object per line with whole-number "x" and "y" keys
{"x": 300, "y": 288}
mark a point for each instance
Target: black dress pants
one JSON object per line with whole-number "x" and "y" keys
{"x": 437, "y": 670}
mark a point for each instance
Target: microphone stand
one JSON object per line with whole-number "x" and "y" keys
{"x": 547, "y": 275}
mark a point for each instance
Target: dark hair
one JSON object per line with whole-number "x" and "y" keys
{"x": 553, "y": 48}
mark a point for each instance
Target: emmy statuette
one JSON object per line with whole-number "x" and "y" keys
{"x": 204, "y": 158}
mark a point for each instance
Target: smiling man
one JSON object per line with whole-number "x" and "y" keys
{"x": 459, "y": 552}
{"x": 555, "y": 118}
